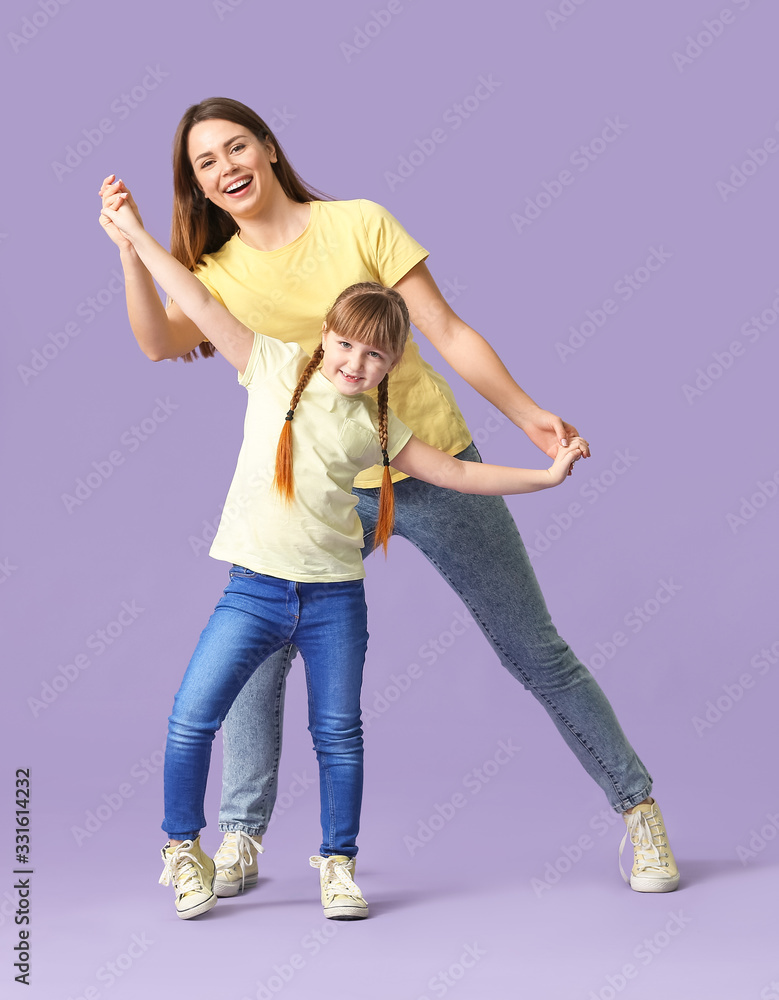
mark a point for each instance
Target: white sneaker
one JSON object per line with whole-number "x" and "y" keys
{"x": 192, "y": 874}
{"x": 654, "y": 868}
{"x": 341, "y": 898}
{"x": 236, "y": 863}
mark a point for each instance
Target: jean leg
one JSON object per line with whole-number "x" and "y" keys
{"x": 252, "y": 733}
{"x": 332, "y": 638}
{"x": 243, "y": 630}
{"x": 474, "y": 544}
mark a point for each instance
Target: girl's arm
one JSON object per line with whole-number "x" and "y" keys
{"x": 423, "y": 461}
{"x": 472, "y": 357}
{"x": 229, "y": 335}
{"x": 160, "y": 333}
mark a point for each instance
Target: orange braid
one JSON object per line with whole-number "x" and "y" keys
{"x": 283, "y": 482}
{"x": 386, "y": 520}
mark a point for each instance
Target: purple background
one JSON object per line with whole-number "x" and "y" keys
{"x": 346, "y": 118}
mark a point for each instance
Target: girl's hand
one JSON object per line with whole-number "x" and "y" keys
{"x": 565, "y": 458}
{"x": 549, "y": 433}
{"x": 108, "y": 190}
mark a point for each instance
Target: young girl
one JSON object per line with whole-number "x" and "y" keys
{"x": 295, "y": 544}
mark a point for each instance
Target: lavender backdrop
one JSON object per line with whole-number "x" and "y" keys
{"x": 595, "y": 182}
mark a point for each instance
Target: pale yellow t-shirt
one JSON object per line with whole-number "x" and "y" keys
{"x": 318, "y": 537}
{"x": 285, "y": 294}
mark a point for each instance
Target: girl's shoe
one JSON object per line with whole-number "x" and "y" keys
{"x": 654, "y": 868}
{"x": 341, "y": 898}
{"x": 236, "y": 863}
{"x": 193, "y": 874}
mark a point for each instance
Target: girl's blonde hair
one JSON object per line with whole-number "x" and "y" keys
{"x": 378, "y": 317}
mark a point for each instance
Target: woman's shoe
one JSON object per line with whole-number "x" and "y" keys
{"x": 236, "y": 863}
{"x": 654, "y": 868}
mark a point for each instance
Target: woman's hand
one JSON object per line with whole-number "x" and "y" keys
{"x": 108, "y": 190}
{"x": 549, "y": 433}
{"x": 118, "y": 212}
{"x": 565, "y": 458}
{"x": 472, "y": 357}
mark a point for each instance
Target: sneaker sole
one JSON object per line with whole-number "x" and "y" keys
{"x": 196, "y": 911}
{"x": 345, "y": 912}
{"x": 223, "y": 888}
{"x": 654, "y": 884}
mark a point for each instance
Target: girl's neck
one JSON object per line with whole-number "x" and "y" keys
{"x": 279, "y": 222}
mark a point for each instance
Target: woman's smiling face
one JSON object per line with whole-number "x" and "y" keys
{"x": 231, "y": 165}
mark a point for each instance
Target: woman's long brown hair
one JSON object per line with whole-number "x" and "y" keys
{"x": 199, "y": 227}
{"x": 377, "y": 316}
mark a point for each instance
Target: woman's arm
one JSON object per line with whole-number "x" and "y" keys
{"x": 423, "y": 461}
{"x": 229, "y": 335}
{"x": 160, "y": 333}
{"x": 472, "y": 357}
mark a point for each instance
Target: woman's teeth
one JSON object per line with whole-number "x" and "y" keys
{"x": 238, "y": 186}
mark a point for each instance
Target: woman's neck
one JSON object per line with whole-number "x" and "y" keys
{"x": 280, "y": 222}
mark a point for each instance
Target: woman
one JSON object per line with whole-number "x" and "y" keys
{"x": 276, "y": 254}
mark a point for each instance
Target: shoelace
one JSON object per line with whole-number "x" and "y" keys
{"x": 647, "y": 837}
{"x": 181, "y": 866}
{"x": 237, "y": 850}
{"x": 336, "y": 877}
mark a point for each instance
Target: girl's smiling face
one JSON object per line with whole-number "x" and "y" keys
{"x": 231, "y": 165}
{"x": 352, "y": 366}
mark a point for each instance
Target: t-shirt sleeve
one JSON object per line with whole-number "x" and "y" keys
{"x": 394, "y": 251}
{"x": 268, "y": 356}
{"x": 398, "y": 435}
{"x": 202, "y": 273}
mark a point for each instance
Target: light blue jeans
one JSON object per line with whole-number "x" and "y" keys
{"x": 257, "y": 616}
{"x": 474, "y": 544}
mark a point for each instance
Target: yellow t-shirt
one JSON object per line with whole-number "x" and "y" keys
{"x": 318, "y": 537}
{"x": 285, "y": 294}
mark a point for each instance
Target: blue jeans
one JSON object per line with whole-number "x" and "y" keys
{"x": 474, "y": 544}
{"x": 257, "y": 616}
